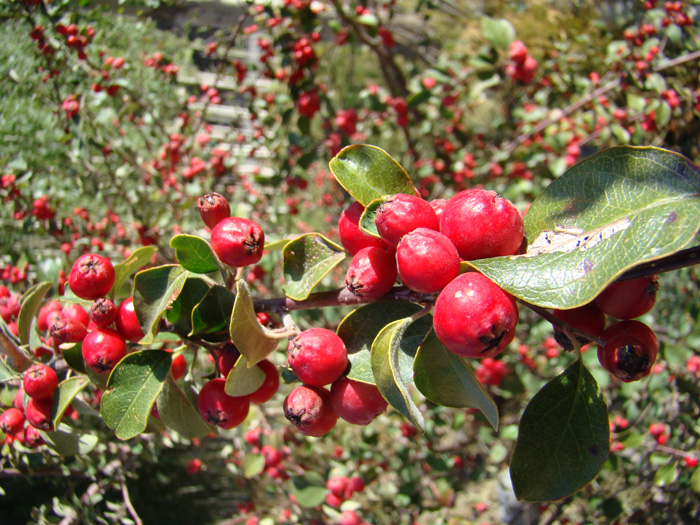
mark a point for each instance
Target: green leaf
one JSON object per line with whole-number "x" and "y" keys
{"x": 133, "y": 387}
{"x": 499, "y": 32}
{"x": 695, "y": 480}
{"x": 609, "y": 213}
{"x": 418, "y": 98}
{"x": 663, "y": 114}
{"x": 368, "y": 219}
{"x": 73, "y": 355}
{"x": 180, "y": 311}
{"x": 29, "y": 306}
{"x": 385, "y": 367}
{"x": 243, "y": 380}
{"x": 134, "y": 263}
{"x": 564, "y": 438}
{"x": 309, "y": 490}
{"x": 253, "y": 465}
{"x": 367, "y": 173}
{"x": 252, "y": 339}
{"x": 154, "y": 290}
{"x": 178, "y": 413}
{"x": 68, "y": 442}
{"x": 447, "y": 380}
{"x": 194, "y": 253}
{"x": 277, "y": 245}
{"x": 307, "y": 260}
{"x": 213, "y": 314}
{"x": 6, "y": 373}
{"x": 360, "y": 328}
{"x": 64, "y": 395}
{"x": 666, "y": 475}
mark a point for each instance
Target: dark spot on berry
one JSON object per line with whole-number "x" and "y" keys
{"x": 630, "y": 363}
{"x": 492, "y": 342}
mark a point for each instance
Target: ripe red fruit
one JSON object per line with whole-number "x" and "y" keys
{"x": 48, "y": 314}
{"x": 349, "y": 517}
{"x": 473, "y": 317}
{"x": 401, "y": 214}
{"x": 309, "y": 409}
{"x": 426, "y": 260}
{"x": 337, "y": 485}
{"x": 517, "y": 52}
{"x": 629, "y": 351}
{"x": 76, "y": 314}
{"x": 11, "y": 421}
{"x": 38, "y": 413}
{"x": 226, "y": 358}
{"x": 127, "y": 322}
{"x": 273, "y": 456}
{"x": 482, "y": 224}
{"x": 237, "y": 241}
{"x": 40, "y": 382}
{"x": 351, "y": 237}
{"x": 270, "y": 385}
{"x": 65, "y": 331}
{"x": 372, "y": 273}
{"x": 357, "y": 403}
{"x": 103, "y": 311}
{"x": 213, "y": 208}
{"x": 91, "y": 276}
{"x": 218, "y": 408}
{"x": 587, "y": 318}
{"x": 317, "y": 356}
{"x": 178, "y": 366}
{"x": 629, "y": 299}
{"x": 32, "y": 438}
{"x": 102, "y": 349}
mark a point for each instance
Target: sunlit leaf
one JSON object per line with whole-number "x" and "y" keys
{"x": 307, "y": 260}
{"x": 29, "y": 306}
{"x": 154, "y": 290}
{"x": 252, "y": 339}
{"x": 194, "y": 253}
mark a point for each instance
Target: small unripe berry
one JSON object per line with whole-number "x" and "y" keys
{"x": 629, "y": 351}
{"x": 372, "y": 273}
{"x": 218, "y": 408}
{"x": 473, "y": 317}
{"x": 102, "y": 349}
{"x": 629, "y": 299}
{"x": 309, "y": 409}
{"x": 352, "y": 237}
{"x": 355, "y": 402}
{"x": 38, "y": 413}
{"x": 40, "y": 382}
{"x": 127, "y": 322}
{"x": 11, "y": 421}
{"x": 213, "y": 208}
{"x": 270, "y": 385}
{"x": 103, "y": 311}
{"x": 317, "y": 356}
{"x": 426, "y": 260}
{"x": 91, "y": 276}
{"x": 237, "y": 241}
{"x": 401, "y": 214}
{"x": 482, "y": 224}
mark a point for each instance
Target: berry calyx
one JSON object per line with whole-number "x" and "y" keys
{"x": 473, "y": 317}
{"x": 91, "y": 276}
{"x": 482, "y": 224}
{"x": 218, "y": 408}
{"x": 401, "y": 214}
{"x": 213, "y": 208}
{"x": 40, "y": 382}
{"x": 102, "y": 349}
{"x": 352, "y": 237}
{"x": 629, "y": 351}
{"x": 426, "y": 260}
{"x": 355, "y": 402}
{"x": 310, "y": 410}
{"x": 237, "y": 241}
{"x": 103, "y": 311}
{"x": 629, "y": 299}
{"x": 372, "y": 273}
{"x": 317, "y": 356}
{"x": 127, "y": 322}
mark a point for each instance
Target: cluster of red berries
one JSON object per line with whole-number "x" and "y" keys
{"x": 523, "y": 66}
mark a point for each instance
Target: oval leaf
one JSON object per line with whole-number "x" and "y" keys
{"x": 180, "y": 311}
{"x": 385, "y": 367}
{"x": 243, "y": 380}
{"x": 564, "y": 438}
{"x": 360, "y": 328}
{"x": 307, "y": 260}
{"x": 73, "y": 356}
{"x": 64, "y": 395}
{"x": 447, "y": 379}
{"x": 309, "y": 490}
{"x": 212, "y": 315}
{"x": 367, "y": 173}
{"x": 253, "y": 465}
{"x": 605, "y": 215}
{"x": 154, "y": 290}
{"x": 29, "y": 306}
{"x": 178, "y": 413}
{"x": 194, "y": 253}
{"x": 251, "y": 338}
{"x": 132, "y": 388}
{"x": 133, "y": 264}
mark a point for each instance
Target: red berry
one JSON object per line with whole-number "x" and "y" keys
{"x": 273, "y": 456}
{"x": 401, "y": 214}
{"x": 40, "y": 382}
{"x": 102, "y": 349}
{"x": 517, "y": 52}
{"x": 656, "y": 429}
{"x": 482, "y": 224}
{"x": 351, "y": 237}
{"x": 587, "y": 318}
{"x": 309, "y": 409}
{"x": 629, "y": 299}
{"x": 349, "y": 517}
{"x": 45, "y": 319}
{"x": 372, "y": 273}
{"x": 91, "y": 276}
{"x": 355, "y": 484}
{"x": 103, "y": 311}
{"x": 127, "y": 322}
{"x": 270, "y": 385}
{"x": 426, "y": 260}
{"x": 38, "y": 413}
{"x": 629, "y": 351}
{"x": 218, "y": 408}
{"x": 213, "y": 208}
{"x": 337, "y": 485}
{"x": 237, "y": 241}
{"x": 76, "y": 314}
{"x": 32, "y": 438}
{"x": 473, "y": 317}
{"x": 357, "y": 403}
{"x": 11, "y": 421}
{"x": 226, "y": 358}
{"x": 178, "y": 366}
{"x": 65, "y": 331}
{"x": 317, "y": 356}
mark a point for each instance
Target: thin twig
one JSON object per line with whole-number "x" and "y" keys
{"x": 127, "y": 501}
